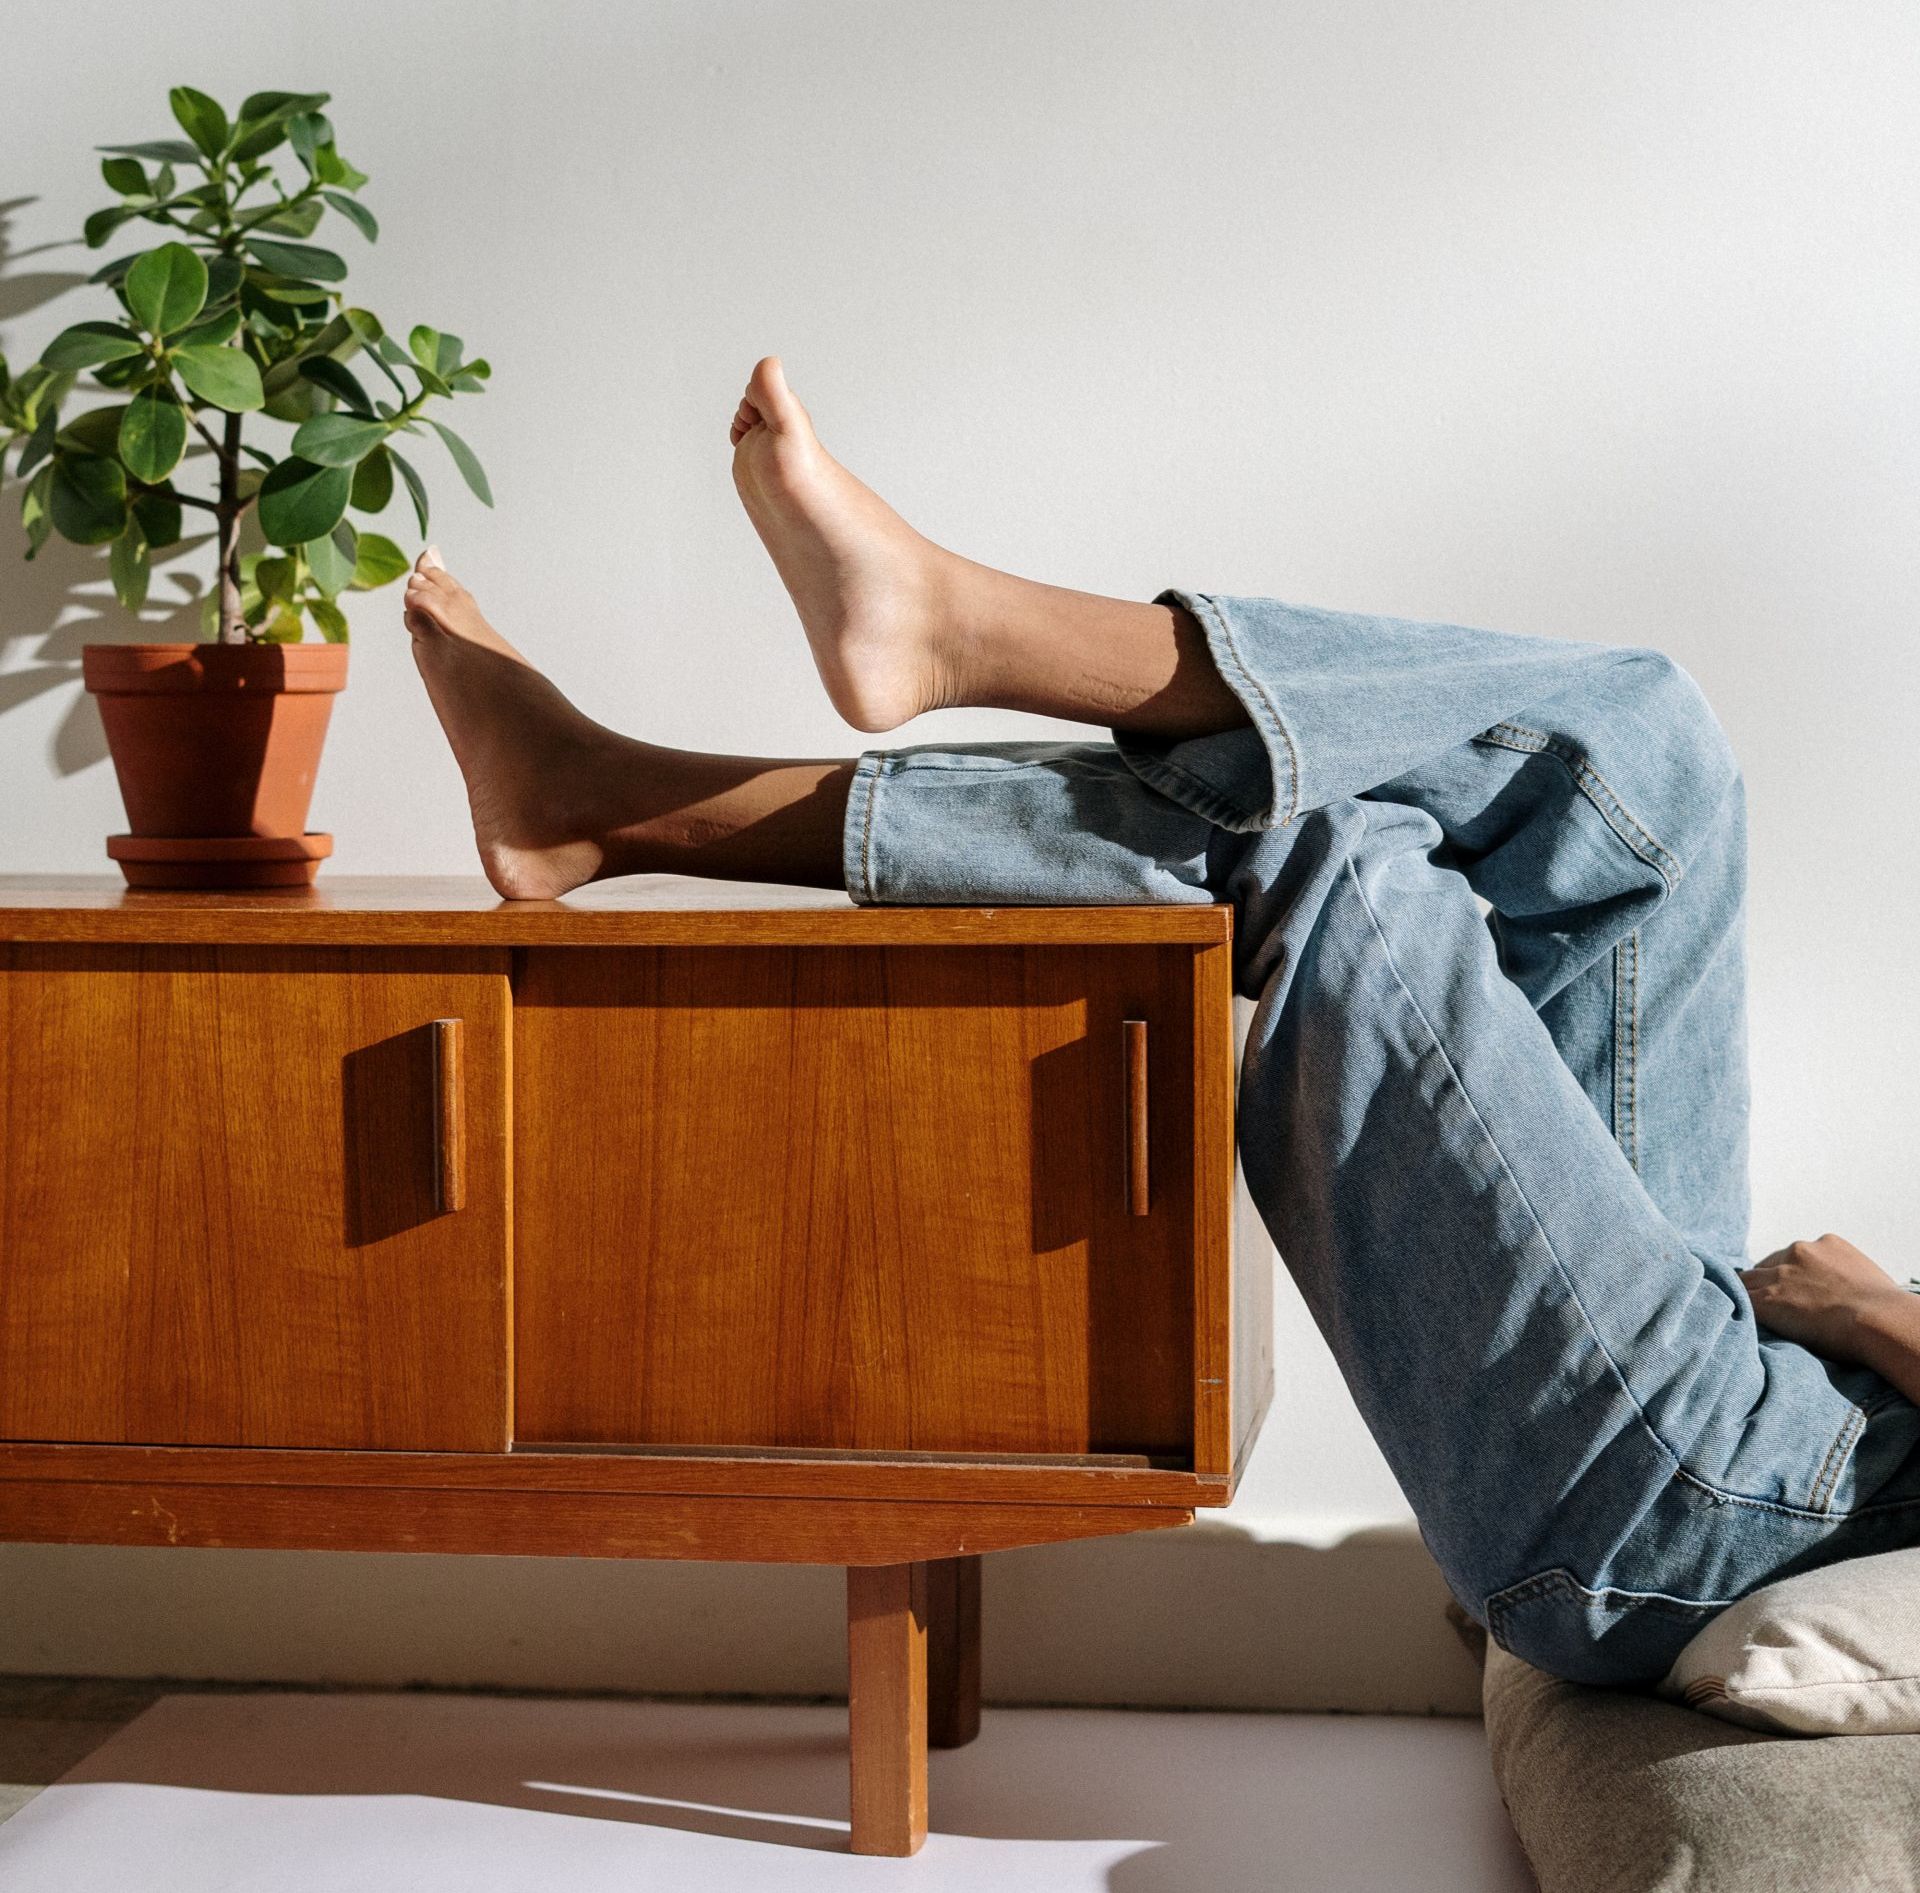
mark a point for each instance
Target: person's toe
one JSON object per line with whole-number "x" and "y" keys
{"x": 771, "y": 399}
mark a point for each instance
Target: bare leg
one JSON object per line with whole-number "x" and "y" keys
{"x": 558, "y": 799}
{"x": 899, "y": 625}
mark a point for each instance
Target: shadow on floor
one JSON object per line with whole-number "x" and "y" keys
{"x": 718, "y": 1795}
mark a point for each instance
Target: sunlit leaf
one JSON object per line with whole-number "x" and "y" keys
{"x": 200, "y": 118}
{"x": 167, "y": 288}
{"x": 129, "y": 568}
{"x": 226, "y": 377}
{"x": 153, "y": 435}
{"x": 380, "y": 562}
{"x": 337, "y": 440}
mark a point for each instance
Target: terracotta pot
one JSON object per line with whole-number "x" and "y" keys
{"x": 216, "y": 747}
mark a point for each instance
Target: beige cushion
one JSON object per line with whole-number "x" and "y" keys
{"x": 1832, "y": 1652}
{"x": 1616, "y": 1791}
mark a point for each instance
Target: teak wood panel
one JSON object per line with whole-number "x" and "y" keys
{"x": 710, "y": 1527}
{"x": 639, "y": 910}
{"x": 218, "y": 1222}
{"x": 855, "y": 1198}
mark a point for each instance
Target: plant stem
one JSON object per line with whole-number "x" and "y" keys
{"x": 233, "y": 628}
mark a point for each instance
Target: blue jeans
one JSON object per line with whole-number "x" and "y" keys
{"x": 1488, "y": 896}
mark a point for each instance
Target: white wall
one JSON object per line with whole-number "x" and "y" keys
{"x": 1602, "y": 321}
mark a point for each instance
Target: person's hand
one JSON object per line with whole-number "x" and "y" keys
{"x": 1816, "y": 1292}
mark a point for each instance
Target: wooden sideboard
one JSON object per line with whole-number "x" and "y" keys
{"x": 675, "y": 1220}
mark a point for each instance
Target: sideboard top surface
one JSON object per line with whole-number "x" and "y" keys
{"x": 642, "y": 910}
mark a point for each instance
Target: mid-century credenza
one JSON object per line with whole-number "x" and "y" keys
{"x": 675, "y": 1220}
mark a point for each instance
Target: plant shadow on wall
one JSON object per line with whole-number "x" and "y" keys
{"x": 63, "y": 598}
{"x": 164, "y": 516}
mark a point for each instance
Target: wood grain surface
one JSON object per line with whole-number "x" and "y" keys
{"x": 715, "y": 1526}
{"x": 861, "y": 1198}
{"x": 984, "y": 1479}
{"x": 217, "y": 1216}
{"x": 642, "y": 910}
{"x": 887, "y": 1706}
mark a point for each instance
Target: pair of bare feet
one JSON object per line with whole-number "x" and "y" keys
{"x": 897, "y": 626}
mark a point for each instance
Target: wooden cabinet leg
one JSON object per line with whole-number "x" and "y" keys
{"x": 953, "y": 1652}
{"x": 887, "y": 1705}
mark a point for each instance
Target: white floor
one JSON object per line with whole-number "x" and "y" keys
{"x": 468, "y": 1794}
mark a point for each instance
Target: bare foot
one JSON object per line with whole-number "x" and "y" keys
{"x": 899, "y": 625}
{"x": 529, "y": 757}
{"x": 867, "y": 586}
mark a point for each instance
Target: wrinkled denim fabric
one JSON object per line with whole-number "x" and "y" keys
{"x": 1488, "y": 896}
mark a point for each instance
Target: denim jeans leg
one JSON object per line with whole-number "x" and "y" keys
{"x": 1548, "y": 1342}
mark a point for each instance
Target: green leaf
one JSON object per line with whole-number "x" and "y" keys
{"x": 307, "y": 132}
{"x": 463, "y": 458}
{"x": 330, "y": 618}
{"x": 340, "y": 382}
{"x": 303, "y": 260}
{"x": 226, "y": 377}
{"x": 337, "y": 440}
{"x": 284, "y": 627}
{"x": 128, "y": 176}
{"x": 356, "y": 213}
{"x": 380, "y": 562}
{"x": 334, "y": 169}
{"x": 88, "y": 344}
{"x": 301, "y": 501}
{"x": 372, "y": 483}
{"x": 167, "y": 288}
{"x": 153, "y": 435}
{"x": 287, "y": 289}
{"x": 259, "y": 107}
{"x": 333, "y": 559}
{"x": 425, "y": 344}
{"x": 416, "y": 488}
{"x": 275, "y": 578}
{"x": 446, "y": 355}
{"x": 430, "y": 381}
{"x": 95, "y": 432}
{"x": 159, "y": 517}
{"x": 160, "y": 150}
{"x": 40, "y": 441}
{"x": 289, "y": 220}
{"x": 103, "y": 223}
{"x": 200, "y": 118}
{"x": 88, "y": 498}
{"x": 214, "y": 334}
{"x": 472, "y": 378}
{"x": 224, "y": 275}
{"x": 129, "y": 567}
{"x": 34, "y": 515}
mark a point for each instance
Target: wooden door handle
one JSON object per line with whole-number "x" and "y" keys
{"x": 449, "y": 1116}
{"x": 1134, "y": 1039}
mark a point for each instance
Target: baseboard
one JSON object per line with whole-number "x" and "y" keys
{"x": 1221, "y": 1616}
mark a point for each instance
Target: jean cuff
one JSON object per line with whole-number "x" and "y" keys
{"x": 1235, "y": 779}
{"x": 856, "y": 835}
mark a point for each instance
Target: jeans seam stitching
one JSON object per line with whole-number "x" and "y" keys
{"x": 1597, "y": 789}
{"x": 866, "y": 832}
{"x": 1266, "y": 703}
{"x": 1633, "y": 1047}
{"x": 1721, "y": 1496}
{"x": 1533, "y": 1215}
{"x": 1217, "y": 809}
{"x": 1829, "y": 1474}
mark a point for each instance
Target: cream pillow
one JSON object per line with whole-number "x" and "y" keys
{"x": 1831, "y": 1652}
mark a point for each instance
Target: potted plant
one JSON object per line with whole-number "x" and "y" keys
{"x": 236, "y": 317}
